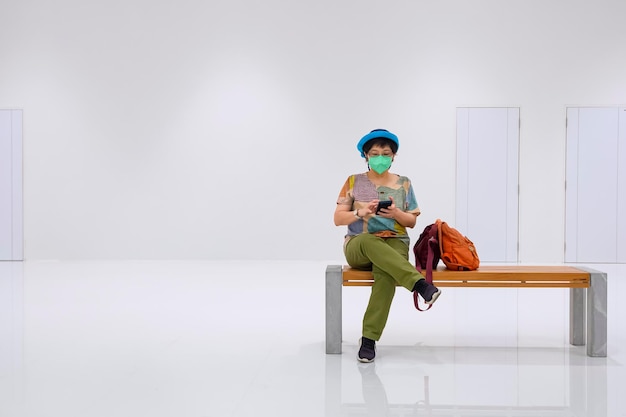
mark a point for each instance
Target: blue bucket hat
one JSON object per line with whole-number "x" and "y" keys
{"x": 374, "y": 134}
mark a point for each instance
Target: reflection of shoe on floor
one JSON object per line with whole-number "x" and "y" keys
{"x": 366, "y": 369}
{"x": 367, "y": 351}
{"x": 428, "y": 291}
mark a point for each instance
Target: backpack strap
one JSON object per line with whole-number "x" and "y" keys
{"x": 432, "y": 244}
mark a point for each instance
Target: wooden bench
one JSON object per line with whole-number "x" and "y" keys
{"x": 588, "y": 295}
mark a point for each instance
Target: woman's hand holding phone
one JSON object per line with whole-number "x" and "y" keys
{"x": 383, "y": 208}
{"x": 384, "y": 204}
{"x": 386, "y": 208}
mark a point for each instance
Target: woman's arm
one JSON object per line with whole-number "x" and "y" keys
{"x": 344, "y": 215}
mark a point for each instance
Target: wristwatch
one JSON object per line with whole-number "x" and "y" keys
{"x": 356, "y": 214}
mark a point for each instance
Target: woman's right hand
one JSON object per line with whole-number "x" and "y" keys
{"x": 371, "y": 208}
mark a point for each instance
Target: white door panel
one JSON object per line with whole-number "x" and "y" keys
{"x": 571, "y": 186}
{"x": 6, "y": 192}
{"x": 595, "y": 186}
{"x": 487, "y": 178}
{"x": 512, "y": 186}
{"x": 462, "y": 168}
{"x": 11, "y": 223}
{"x": 621, "y": 186}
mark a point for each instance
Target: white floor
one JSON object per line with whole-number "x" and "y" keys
{"x": 247, "y": 339}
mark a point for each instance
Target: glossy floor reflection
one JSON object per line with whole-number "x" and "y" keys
{"x": 247, "y": 339}
{"x": 472, "y": 381}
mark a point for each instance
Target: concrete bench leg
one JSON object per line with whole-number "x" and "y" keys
{"x": 596, "y": 314}
{"x": 590, "y": 305}
{"x": 334, "y": 282}
{"x": 577, "y": 310}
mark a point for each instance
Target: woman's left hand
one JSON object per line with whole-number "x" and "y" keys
{"x": 389, "y": 213}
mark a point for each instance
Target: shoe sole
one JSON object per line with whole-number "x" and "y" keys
{"x": 434, "y": 297}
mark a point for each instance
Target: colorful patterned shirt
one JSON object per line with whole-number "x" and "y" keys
{"x": 358, "y": 191}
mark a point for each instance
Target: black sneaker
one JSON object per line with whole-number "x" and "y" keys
{"x": 428, "y": 291}
{"x": 430, "y": 294}
{"x": 367, "y": 352}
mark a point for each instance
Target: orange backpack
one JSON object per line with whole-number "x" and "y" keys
{"x": 457, "y": 251}
{"x": 440, "y": 241}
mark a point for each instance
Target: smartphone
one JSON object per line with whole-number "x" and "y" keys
{"x": 383, "y": 204}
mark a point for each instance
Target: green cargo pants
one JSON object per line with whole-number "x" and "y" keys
{"x": 388, "y": 259}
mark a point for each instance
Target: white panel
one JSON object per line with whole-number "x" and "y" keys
{"x": 512, "y": 185}
{"x": 6, "y": 244}
{"x": 11, "y": 221}
{"x": 571, "y": 191}
{"x": 621, "y": 193}
{"x": 487, "y": 182}
{"x": 462, "y": 154}
{"x": 597, "y": 185}
{"x": 17, "y": 220}
{"x": 490, "y": 185}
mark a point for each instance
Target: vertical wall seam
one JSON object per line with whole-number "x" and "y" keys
{"x": 12, "y": 181}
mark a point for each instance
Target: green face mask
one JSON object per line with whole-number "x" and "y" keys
{"x": 380, "y": 163}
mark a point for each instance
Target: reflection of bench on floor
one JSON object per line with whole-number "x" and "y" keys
{"x": 588, "y": 295}
{"x": 419, "y": 409}
{"x": 587, "y": 396}
{"x": 584, "y": 390}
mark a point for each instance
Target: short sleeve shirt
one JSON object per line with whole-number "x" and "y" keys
{"x": 358, "y": 191}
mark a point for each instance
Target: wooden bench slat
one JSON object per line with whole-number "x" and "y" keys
{"x": 491, "y": 276}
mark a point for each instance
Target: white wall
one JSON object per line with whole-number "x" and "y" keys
{"x": 224, "y": 129}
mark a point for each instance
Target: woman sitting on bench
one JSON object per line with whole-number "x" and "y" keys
{"x": 378, "y": 206}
